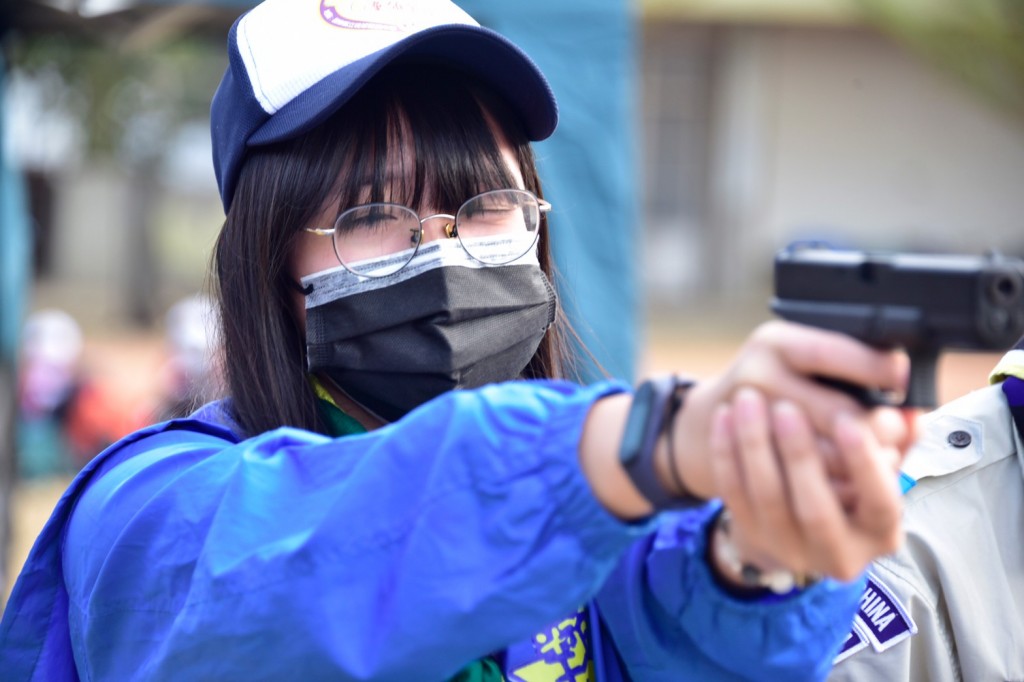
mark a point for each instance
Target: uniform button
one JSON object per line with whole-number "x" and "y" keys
{"x": 959, "y": 439}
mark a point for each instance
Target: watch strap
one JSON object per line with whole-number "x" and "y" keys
{"x": 655, "y": 404}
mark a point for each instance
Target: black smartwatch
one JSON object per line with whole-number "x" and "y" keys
{"x": 655, "y": 404}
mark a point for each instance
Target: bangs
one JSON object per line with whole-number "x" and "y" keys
{"x": 421, "y": 136}
{"x": 414, "y": 134}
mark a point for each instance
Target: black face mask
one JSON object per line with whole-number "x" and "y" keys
{"x": 442, "y": 323}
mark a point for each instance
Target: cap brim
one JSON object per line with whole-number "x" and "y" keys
{"x": 475, "y": 50}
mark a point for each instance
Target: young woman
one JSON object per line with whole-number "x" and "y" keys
{"x": 400, "y": 485}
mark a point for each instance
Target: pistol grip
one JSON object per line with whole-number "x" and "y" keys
{"x": 920, "y": 387}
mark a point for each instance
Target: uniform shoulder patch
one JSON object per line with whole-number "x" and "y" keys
{"x": 854, "y": 642}
{"x": 881, "y": 621}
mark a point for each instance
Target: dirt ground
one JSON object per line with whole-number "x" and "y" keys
{"x": 131, "y": 365}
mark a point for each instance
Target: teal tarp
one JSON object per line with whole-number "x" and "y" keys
{"x": 14, "y": 246}
{"x": 587, "y": 48}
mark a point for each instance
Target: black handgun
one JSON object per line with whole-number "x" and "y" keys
{"x": 923, "y": 303}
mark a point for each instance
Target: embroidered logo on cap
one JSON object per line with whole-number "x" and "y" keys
{"x": 379, "y": 15}
{"x": 881, "y": 618}
{"x": 287, "y": 51}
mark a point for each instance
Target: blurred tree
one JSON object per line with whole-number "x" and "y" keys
{"x": 132, "y": 81}
{"x": 981, "y": 41}
{"x": 128, "y": 97}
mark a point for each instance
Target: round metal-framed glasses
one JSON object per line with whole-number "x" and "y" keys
{"x": 377, "y": 240}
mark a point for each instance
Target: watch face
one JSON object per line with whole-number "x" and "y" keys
{"x": 636, "y": 424}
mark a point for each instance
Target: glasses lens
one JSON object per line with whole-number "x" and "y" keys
{"x": 500, "y": 226}
{"x": 376, "y": 239}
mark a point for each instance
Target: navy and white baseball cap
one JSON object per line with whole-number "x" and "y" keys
{"x": 293, "y": 63}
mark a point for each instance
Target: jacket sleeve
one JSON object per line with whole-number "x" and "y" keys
{"x": 399, "y": 554}
{"x": 671, "y": 621}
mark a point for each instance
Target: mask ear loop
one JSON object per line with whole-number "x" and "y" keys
{"x": 304, "y": 290}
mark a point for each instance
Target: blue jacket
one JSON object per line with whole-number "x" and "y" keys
{"x": 185, "y": 552}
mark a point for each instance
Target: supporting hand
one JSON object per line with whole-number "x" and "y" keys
{"x": 788, "y": 509}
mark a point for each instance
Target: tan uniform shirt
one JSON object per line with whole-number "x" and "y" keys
{"x": 950, "y": 604}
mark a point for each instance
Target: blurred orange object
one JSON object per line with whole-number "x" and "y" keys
{"x": 98, "y": 416}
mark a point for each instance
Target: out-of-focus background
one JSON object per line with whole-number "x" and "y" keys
{"x": 697, "y": 137}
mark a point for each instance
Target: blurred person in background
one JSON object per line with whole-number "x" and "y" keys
{"x": 402, "y": 484}
{"x": 49, "y": 383}
{"x": 949, "y": 605}
{"x": 190, "y": 375}
{"x": 67, "y": 412}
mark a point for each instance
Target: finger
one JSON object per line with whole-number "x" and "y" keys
{"x": 838, "y": 476}
{"x": 747, "y": 532}
{"x": 817, "y": 510}
{"x": 835, "y": 465}
{"x": 726, "y": 468}
{"x": 820, "y": 402}
{"x": 752, "y": 433}
{"x": 911, "y": 419}
{"x": 846, "y": 493}
{"x": 879, "y": 505}
{"x": 786, "y": 361}
{"x": 891, "y": 426}
{"x": 767, "y": 371}
{"x": 888, "y": 434}
{"x": 819, "y": 352}
{"x": 765, "y": 484}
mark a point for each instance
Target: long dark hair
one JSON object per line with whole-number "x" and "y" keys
{"x": 440, "y": 114}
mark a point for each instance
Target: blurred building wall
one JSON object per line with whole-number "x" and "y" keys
{"x": 887, "y": 149}
{"x": 92, "y": 248}
{"x": 92, "y": 224}
{"x": 756, "y": 135}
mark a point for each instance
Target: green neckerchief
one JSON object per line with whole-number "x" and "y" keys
{"x": 341, "y": 424}
{"x": 338, "y": 422}
{"x": 484, "y": 670}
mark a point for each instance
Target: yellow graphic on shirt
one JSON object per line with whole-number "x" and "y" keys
{"x": 561, "y": 653}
